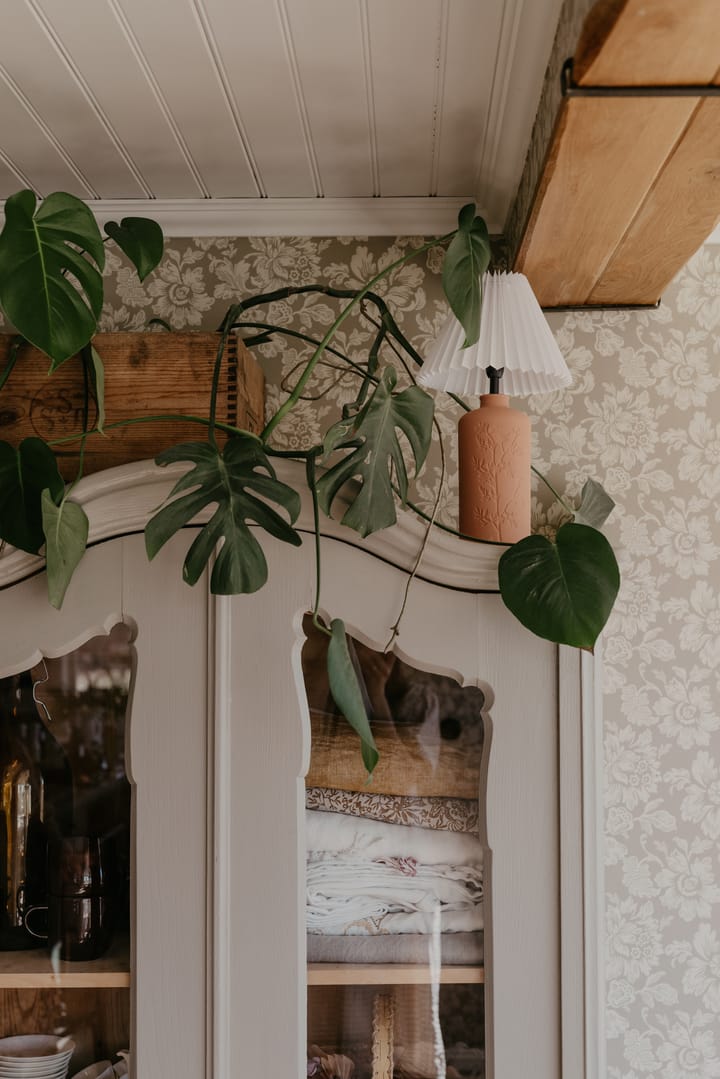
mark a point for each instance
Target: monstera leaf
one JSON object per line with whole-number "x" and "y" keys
{"x": 563, "y": 591}
{"x": 49, "y": 290}
{"x": 467, "y": 259}
{"x": 66, "y": 531}
{"x": 142, "y": 241}
{"x": 374, "y": 453}
{"x": 25, "y": 473}
{"x": 347, "y": 694}
{"x": 241, "y": 482}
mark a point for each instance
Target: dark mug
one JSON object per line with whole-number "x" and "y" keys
{"x": 77, "y": 908}
{"x": 75, "y": 866}
{"x": 78, "y": 925}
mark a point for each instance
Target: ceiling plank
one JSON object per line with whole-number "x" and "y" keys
{"x": 605, "y": 157}
{"x": 59, "y": 97}
{"x": 90, "y": 33}
{"x": 405, "y": 43}
{"x": 31, "y": 148}
{"x": 257, "y": 54}
{"x": 641, "y": 43}
{"x": 170, "y": 37}
{"x": 686, "y": 192}
{"x": 330, "y": 53}
{"x": 473, "y": 33}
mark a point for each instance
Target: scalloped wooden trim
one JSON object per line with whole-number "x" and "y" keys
{"x": 120, "y": 501}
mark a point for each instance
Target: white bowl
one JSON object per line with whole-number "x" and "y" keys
{"x": 23, "y": 1047}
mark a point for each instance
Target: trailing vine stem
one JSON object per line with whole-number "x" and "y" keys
{"x": 12, "y": 360}
{"x": 356, "y": 296}
{"x": 310, "y": 477}
{"x": 395, "y": 628}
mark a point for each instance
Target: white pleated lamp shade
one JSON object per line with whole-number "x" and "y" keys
{"x": 514, "y": 335}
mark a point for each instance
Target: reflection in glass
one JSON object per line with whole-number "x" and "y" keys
{"x": 65, "y": 849}
{"x": 394, "y": 876}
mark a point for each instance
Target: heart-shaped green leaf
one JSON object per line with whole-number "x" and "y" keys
{"x": 596, "y": 505}
{"x": 467, "y": 259}
{"x": 375, "y": 455}
{"x": 563, "y": 591}
{"x": 25, "y": 473}
{"x": 346, "y": 692}
{"x": 49, "y": 288}
{"x": 142, "y": 241}
{"x": 66, "y": 531}
{"x": 241, "y": 481}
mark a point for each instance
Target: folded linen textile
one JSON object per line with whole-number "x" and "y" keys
{"x": 457, "y": 949}
{"x": 356, "y": 837}
{"x": 442, "y": 814}
{"x": 394, "y": 895}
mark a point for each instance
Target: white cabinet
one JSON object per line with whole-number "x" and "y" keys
{"x": 219, "y": 744}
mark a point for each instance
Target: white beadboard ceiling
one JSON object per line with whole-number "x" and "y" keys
{"x": 274, "y": 116}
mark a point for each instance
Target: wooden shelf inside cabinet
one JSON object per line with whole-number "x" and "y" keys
{"x": 389, "y": 974}
{"x": 33, "y": 970}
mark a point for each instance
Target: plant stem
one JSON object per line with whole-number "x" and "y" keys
{"x": 312, "y": 362}
{"x": 310, "y": 476}
{"x": 12, "y": 360}
{"x": 395, "y": 629}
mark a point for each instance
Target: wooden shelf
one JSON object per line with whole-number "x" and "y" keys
{"x": 32, "y": 970}
{"x": 389, "y": 974}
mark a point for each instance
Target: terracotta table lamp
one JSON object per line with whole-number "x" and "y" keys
{"x": 516, "y": 354}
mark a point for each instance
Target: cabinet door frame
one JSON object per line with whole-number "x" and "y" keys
{"x": 118, "y": 503}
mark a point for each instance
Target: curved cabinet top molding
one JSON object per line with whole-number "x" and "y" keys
{"x": 121, "y": 500}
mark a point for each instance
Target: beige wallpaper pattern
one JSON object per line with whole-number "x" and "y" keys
{"x": 643, "y": 416}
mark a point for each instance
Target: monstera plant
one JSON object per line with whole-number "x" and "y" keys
{"x": 51, "y": 290}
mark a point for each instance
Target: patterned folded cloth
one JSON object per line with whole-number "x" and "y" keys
{"x": 457, "y": 949}
{"x": 442, "y": 814}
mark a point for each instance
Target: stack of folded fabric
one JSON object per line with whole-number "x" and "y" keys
{"x": 395, "y": 886}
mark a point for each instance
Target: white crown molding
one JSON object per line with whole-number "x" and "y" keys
{"x": 292, "y": 217}
{"x": 121, "y": 500}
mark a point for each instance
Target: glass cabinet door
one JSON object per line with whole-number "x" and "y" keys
{"x": 394, "y": 875}
{"x": 65, "y": 845}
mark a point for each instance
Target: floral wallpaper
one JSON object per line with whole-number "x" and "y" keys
{"x": 643, "y": 417}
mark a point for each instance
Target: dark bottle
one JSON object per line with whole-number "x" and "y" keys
{"x": 36, "y": 805}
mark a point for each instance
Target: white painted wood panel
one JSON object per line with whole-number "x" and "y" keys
{"x": 56, "y": 92}
{"x": 470, "y": 55}
{"x": 258, "y": 55}
{"x": 167, "y": 758}
{"x": 331, "y": 51}
{"x": 168, "y": 765}
{"x": 123, "y": 88}
{"x": 33, "y": 149}
{"x": 170, "y": 36}
{"x": 468, "y": 636}
{"x": 406, "y": 62}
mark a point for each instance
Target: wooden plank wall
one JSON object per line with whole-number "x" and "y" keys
{"x": 631, "y": 185}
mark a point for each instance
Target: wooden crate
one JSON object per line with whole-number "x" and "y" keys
{"x": 146, "y": 374}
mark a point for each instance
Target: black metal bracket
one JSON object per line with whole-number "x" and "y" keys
{"x": 571, "y": 88}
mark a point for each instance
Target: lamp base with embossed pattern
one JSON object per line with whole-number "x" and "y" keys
{"x": 494, "y": 463}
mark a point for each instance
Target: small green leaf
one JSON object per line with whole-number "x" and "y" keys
{"x": 595, "y": 507}
{"x": 51, "y": 260}
{"x": 562, "y": 591}
{"x": 66, "y": 531}
{"x": 467, "y": 259}
{"x": 142, "y": 241}
{"x": 375, "y": 454}
{"x": 25, "y": 472}
{"x": 241, "y": 482}
{"x": 99, "y": 377}
{"x": 347, "y": 694}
